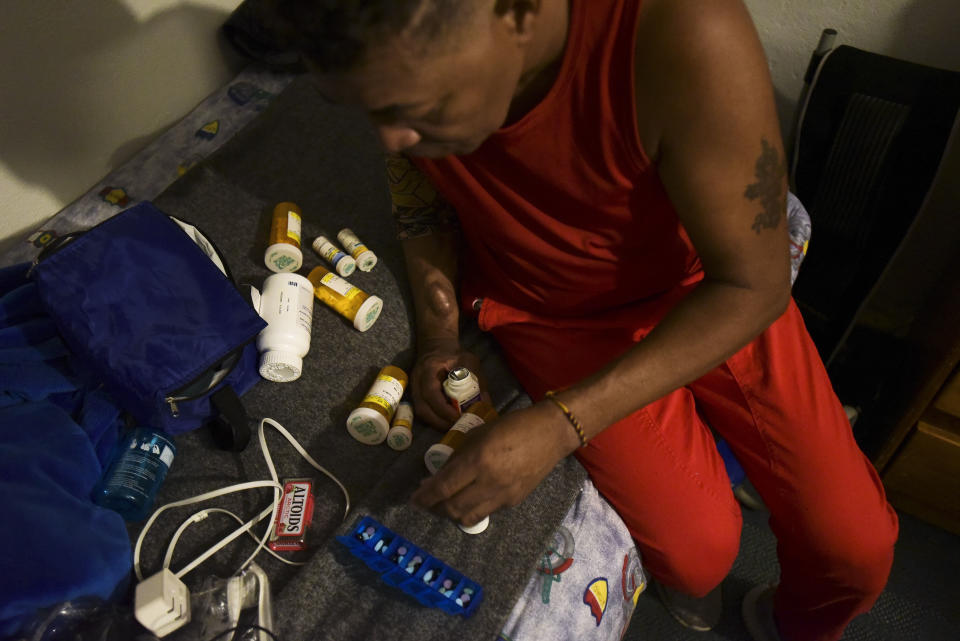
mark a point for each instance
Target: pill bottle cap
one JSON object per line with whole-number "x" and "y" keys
{"x": 459, "y": 374}
{"x": 399, "y": 437}
{"x": 368, "y": 313}
{"x": 366, "y": 260}
{"x": 346, "y": 265}
{"x": 280, "y": 367}
{"x": 282, "y": 258}
{"x": 475, "y": 529}
{"x": 437, "y": 456}
{"x": 368, "y": 426}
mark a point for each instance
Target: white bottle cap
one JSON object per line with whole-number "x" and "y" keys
{"x": 366, "y": 260}
{"x": 399, "y": 437}
{"x": 280, "y": 367}
{"x": 475, "y": 529}
{"x": 368, "y": 426}
{"x": 282, "y": 258}
{"x": 437, "y": 456}
{"x": 346, "y": 265}
{"x": 368, "y": 313}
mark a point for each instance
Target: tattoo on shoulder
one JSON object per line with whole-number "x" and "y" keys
{"x": 418, "y": 209}
{"x": 769, "y": 188}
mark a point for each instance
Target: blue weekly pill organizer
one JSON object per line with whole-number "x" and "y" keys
{"x": 404, "y": 565}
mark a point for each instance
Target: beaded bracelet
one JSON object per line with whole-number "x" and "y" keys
{"x": 570, "y": 417}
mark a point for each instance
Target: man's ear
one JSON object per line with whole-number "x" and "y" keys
{"x": 519, "y": 16}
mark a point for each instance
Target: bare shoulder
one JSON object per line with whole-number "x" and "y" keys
{"x": 696, "y": 61}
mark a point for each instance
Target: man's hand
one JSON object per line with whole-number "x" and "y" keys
{"x": 499, "y": 464}
{"x": 435, "y": 359}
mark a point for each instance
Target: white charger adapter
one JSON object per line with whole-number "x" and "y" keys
{"x": 162, "y": 603}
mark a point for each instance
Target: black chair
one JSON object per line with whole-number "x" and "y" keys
{"x": 876, "y": 149}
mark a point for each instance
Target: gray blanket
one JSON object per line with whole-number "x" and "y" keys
{"x": 326, "y": 160}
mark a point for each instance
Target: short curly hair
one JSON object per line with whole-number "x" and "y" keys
{"x": 334, "y": 35}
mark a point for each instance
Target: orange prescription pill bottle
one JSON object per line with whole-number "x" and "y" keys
{"x": 356, "y": 306}
{"x": 436, "y": 457}
{"x": 370, "y": 422}
{"x": 474, "y": 416}
{"x": 283, "y": 252}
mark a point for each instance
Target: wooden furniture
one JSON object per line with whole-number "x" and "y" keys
{"x": 923, "y": 478}
{"x": 919, "y": 456}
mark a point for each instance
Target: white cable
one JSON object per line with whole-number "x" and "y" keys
{"x": 296, "y": 445}
{"x": 273, "y": 475}
{"x": 201, "y": 516}
{"x": 230, "y": 537}
{"x": 240, "y": 487}
{"x": 245, "y": 527}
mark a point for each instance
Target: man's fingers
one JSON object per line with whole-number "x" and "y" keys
{"x": 447, "y": 482}
{"x": 471, "y": 505}
{"x": 434, "y": 409}
{"x": 426, "y": 414}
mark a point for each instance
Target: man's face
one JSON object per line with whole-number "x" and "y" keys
{"x": 445, "y": 101}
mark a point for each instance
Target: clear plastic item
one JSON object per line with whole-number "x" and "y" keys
{"x": 370, "y": 422}
{"x": 286, "y": 303}
{"x": 87, "y": 618}
{"x": 283, "y": 253}
{"x": 221, "y": 604}
{"x": 356, "y": 306}
{"x": 366, "y": 259}
{"x": 139, "y": 465}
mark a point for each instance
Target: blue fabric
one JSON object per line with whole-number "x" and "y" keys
{"x": 56, "y": 432}
{"x": 140, "y": 304}
{"x": 735, "y": 471}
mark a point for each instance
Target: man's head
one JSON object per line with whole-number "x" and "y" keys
{"x": 436, "y": 77}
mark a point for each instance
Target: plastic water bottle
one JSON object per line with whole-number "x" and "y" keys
{"x": 135, "y": 474}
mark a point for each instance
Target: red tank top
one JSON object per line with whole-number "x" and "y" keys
{"x": 563, "y": 214}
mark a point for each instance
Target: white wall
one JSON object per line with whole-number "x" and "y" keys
{"x": 924, "y": 31}
{"x": 85, "y": 85}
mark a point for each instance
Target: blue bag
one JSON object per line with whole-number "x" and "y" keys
{"x": 56, "y": 431}
{"x": 146, "y": 303}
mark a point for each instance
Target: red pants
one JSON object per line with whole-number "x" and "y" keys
{"x": 660, "y": 469}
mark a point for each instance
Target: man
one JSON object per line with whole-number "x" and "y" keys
{"x": 617, "y": 172}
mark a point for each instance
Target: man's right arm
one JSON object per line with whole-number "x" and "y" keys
{"x": 427, "y": 226}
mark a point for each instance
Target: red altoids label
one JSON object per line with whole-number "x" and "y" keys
{"x": 294, "y": 516}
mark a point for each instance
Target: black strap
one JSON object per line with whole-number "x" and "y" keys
{"x": 230, "y": 428}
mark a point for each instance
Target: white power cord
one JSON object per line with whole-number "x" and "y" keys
{"x": 201, "y": 516}
{"x": 162, "y": 601}
{"x": 240, "y": 487}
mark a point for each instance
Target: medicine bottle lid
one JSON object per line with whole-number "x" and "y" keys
{"x": 280, "y": 367}
{"x": 368, "y": 313}
{"x": 368, "y": 426}
{"x": 399, "y": 437}
{"x": 283, "y": 258}
{"x": 436, "y": 457}
{"x": 346, "y": 265}
{"x": 366, "y": 260}
{"x": 479, "y": 528}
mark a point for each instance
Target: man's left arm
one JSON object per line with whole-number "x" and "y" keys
{"x": 719, "y": 153}
{"x": 707, "y": 117}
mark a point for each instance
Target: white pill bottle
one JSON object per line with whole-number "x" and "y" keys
{"x": 286, "y": 303}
